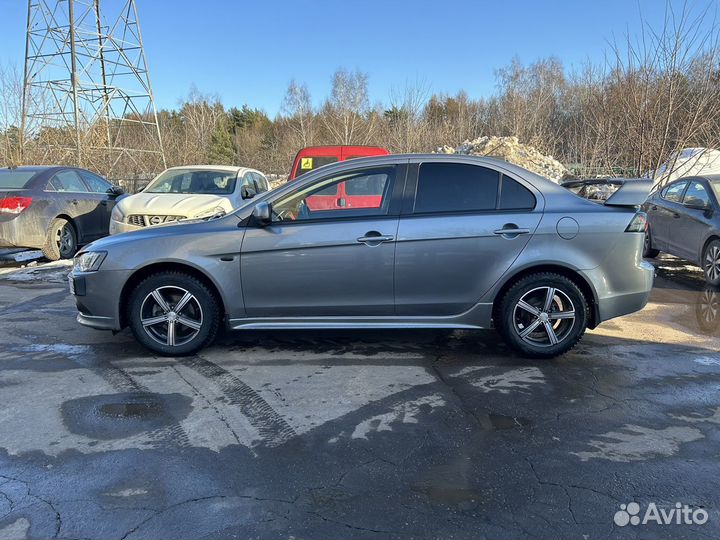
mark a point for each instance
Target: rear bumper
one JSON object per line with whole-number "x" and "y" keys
{"x": 630, "y": 296}
{"x": 21, "y": 233}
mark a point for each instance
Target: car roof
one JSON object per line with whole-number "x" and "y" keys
{"x": 227, "y": 168}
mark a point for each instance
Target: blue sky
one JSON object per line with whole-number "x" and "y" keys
{"x": 247, "y": 52}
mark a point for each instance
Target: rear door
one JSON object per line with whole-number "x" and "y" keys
{"x": 75, "y": 199}
{"x": 664, "y": 211}
{"x": 461, "y": 229}
{"x": 312, "y": 262}
{"x": 687, "y": 232}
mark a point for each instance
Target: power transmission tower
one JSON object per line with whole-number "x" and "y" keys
{"x": 87, "y": 99}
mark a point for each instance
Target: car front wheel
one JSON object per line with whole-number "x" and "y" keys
{"x": 711, "y": 263}
{"x": 173, "y": 314}
{"x": 542, "y": 315}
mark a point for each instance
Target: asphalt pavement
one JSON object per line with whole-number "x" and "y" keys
{"x": 358, "y": 434}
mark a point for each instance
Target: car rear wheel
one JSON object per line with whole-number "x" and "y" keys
{"x": 173, "y": 314}
{"x": 61, "y": 240}
{"x": 711, "y": 263}
{"x": 543, "y": 315}
{"x": 648, "y": 251}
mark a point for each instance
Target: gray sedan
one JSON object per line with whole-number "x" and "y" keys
{"x": 55, "y": 209}
{"x": 428, "y": 241}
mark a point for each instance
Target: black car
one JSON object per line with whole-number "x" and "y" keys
{"x": 56, "y": 209}
{"x": 684, "y": 220}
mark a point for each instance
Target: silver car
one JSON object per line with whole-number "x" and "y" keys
{"x": 428, "y": 241}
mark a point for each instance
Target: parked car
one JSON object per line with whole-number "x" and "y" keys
{"x": 594, "y": 189}
{"x": 452, "y": 242}
{"x": 340, "y": 195}
{"x": 684, "y": 220}
{"x": 55, "y": 209}
{"x": 185, "y": 193}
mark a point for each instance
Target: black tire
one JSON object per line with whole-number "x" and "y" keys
{"x": 711, "y": 263}
{"x": 648, "y": 251}
{"x": 202, "y": 310}
{"x": 512, "y": 319}
{"x": 61, "y": 240}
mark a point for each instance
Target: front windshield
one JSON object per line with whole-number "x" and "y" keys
{"x": 716, "y": 188}
{"x": 194, "y": 181}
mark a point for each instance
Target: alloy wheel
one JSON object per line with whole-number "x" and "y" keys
{"x": 171, "y": 316}
{"x": 712, "y": 263}
{"x": 544, "y": 316}
{"x": 709, "y": 307}
{"x": 65, "y": 241}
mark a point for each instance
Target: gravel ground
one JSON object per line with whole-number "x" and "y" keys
{"x": 356, "y": 434}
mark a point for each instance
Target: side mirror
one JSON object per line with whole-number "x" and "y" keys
{"x": 262, "y": 213}
{"x": 246, "y": 192}
{"x": 697, "y": 204}
{"x": 115, "y": 191}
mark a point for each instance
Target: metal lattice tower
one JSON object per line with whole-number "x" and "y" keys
{"x": 87, "y": 99}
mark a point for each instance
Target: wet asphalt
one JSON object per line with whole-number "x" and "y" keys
{"x": 401, "y": 434}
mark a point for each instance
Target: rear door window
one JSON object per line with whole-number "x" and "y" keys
{"x": 515, "y": 196}
{"x": 68, "y": 181}
{"x": 456, "y": 187}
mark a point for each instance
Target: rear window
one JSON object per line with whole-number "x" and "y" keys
{"x": 456, "y": 187}
{"x": 12, "y": 179}
{"x": 515, "y": 196}
{"x": 307, "y": 164}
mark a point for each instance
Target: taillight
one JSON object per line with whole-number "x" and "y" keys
{"x": 638, "y": 223}
{"x": 14, "y": 205}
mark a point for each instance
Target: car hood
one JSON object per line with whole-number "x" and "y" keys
{"x": 173, "y": 204}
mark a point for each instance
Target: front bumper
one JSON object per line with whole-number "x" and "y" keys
{"x": 97, "y": 297}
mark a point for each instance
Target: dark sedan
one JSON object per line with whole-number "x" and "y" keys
{"x": 684, "y": 220}
{"x": 55, "y": 209}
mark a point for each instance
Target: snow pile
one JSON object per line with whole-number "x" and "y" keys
{"x": 53, "y": 272}
{"x": 688, "y": 162}
{"x": 513, "y": 151}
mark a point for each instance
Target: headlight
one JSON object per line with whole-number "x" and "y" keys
{"x": 89, "y": 261}
{"x": 218, "y": 211}
{"x": 117, "y": 214}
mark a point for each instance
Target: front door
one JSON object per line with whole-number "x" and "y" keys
{"x": 465, "y": 228}
{"x": 665, "y": 212}
{"x": 315, "y": 262}
{"x": 690, "y": 229}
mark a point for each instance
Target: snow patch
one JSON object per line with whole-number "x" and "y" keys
{"x": 55, "y": 271}
{"x": 405, "y": 413}
{"x": 638, "y": 443}
{"x": 515, "y": 379}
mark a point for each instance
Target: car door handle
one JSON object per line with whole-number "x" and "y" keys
{"x": 510, "y": 230}
{"x": 373, "y": 238}
{"x": 104, "y": 203}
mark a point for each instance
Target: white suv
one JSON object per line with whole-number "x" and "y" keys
{"x": 186, "y": 193}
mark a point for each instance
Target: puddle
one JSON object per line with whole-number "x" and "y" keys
{"x": 116, "y": 416}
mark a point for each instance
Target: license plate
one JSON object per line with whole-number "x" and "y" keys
{"x": 71, "y": 281}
